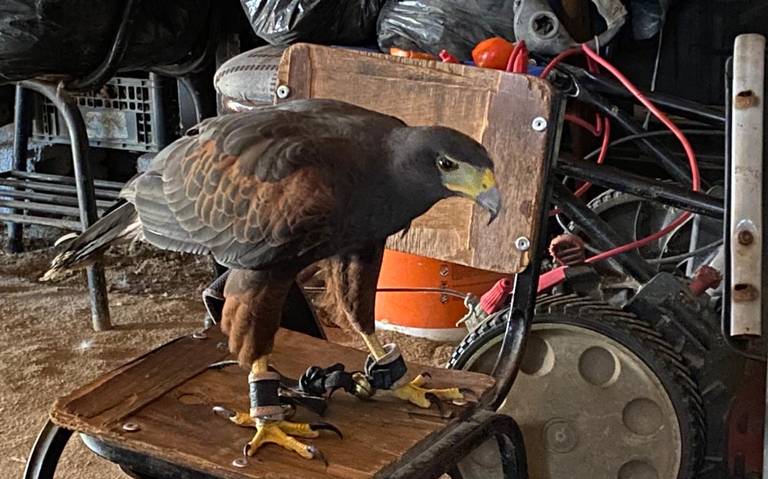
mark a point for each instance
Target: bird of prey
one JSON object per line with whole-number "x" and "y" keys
{"x": 269, "y": 192}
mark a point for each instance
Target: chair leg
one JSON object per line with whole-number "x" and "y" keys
{"x": 86, "y": 195}
{"x": 22, "y": 127}
{"x": 46, "y": 452}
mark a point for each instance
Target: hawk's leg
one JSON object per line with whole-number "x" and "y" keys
{"x": 414, "y": 391}
{"x": 266, "y": 415}
{"x": 253, "y": 302}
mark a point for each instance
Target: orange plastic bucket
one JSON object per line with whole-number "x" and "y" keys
{"x": 431, "y": 315}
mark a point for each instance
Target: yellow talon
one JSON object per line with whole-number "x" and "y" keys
{"x": 416, "y": 394}
{"x": 276, "y": 432}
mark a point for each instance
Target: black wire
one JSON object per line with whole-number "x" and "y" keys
{"x": 651, "y": 134}
{"x": 684, "y": 256}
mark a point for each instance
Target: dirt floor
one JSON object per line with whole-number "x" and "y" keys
{"x": 47, "y": 346}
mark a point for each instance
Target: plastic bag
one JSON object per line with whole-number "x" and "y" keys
{"x": 454, "y": 25}
{"x": 338, "y": 22}
{"x": 648, "y": 17}
{"x": 73, "y": 36}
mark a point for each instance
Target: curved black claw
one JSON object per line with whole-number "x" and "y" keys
{"x": 223, "y": 412}
{"x": 317, "y": 454}
{"x": 246, "y": 449}
{"x": 469, "y": 394}
{"x": 223, "y": 364}
{"x": 436, "y": 401}
{"x": 324, "y": 426}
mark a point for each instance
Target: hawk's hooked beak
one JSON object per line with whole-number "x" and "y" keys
{"x": 477, "y": 185}
{"x": 490, "y": 199}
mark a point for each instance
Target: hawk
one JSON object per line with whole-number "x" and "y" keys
{"x": 271, "y": 191}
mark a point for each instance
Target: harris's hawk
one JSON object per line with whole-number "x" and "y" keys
{"x": 269, "y": 192}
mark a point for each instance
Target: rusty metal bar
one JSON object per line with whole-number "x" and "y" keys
{"x": 746, "y": 188}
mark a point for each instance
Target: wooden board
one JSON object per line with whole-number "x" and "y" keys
{"x": 495, "y": 108}
{"x": 169, "y": 393}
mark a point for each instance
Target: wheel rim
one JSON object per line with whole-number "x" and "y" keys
{"x": 588, "y": 407}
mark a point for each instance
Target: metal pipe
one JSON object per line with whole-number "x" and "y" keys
{"x": 54, "y": 188}
{"x": 46, "y": 198}
{"x": 22, "y": 128}
{"x": 40, "y": 207}
{"x": 637, "y": 185}
{"x": 39, "y": 220}
{"x": 26, "y": 175}
{"x": 523, "y": 301}
{"x": 111, "y": 63}
{"x": 86, "y": 194}
{"x": 601, "y": 233}
{"x": 746, "y": 189}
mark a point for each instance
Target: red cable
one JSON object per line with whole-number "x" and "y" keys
{"x": 551, "y": 278}
{"x": 513, "y": 56}
{"x": 600, "y": 159}
{"x": 578, "y": 121}
{"x": 521, "y": 62}
{"x": 695, "y": 180}
{"x": 559, "y": 58}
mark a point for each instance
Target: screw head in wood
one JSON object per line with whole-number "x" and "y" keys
{"x": 240, "y": 462}
{"x": 539, "y": 124}
{"x": 522, "y": 243}
{"x": 283, "y": 92}
{"x": 131, "y": 427}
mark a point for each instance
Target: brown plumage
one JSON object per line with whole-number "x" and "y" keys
{"x": 271, "y": 191}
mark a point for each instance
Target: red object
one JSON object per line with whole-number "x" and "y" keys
{"x": 551, "y": 278}
{"x": 447, "y": 57}
{"x": 559, "y": 58}
{"x": 567, "y": 250}
{"x": 493, "y": 53}
{"x": 601, "y": 158}
{"x": 420, "y": 311}
{"x": 397, "y": 52}
{"x": 706, "y": 277}
{"x": 555, "y": 276}
{"x": 493, "y": 299}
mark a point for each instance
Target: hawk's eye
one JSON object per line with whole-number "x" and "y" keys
{"x": 446, "y": 164}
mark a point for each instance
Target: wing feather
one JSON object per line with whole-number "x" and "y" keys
{"x": 258, "y": 188}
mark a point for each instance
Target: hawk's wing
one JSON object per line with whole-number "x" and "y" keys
{"x": 256, "y": 188}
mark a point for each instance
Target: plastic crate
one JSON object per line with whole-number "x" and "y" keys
{"x": 125, "y": 114}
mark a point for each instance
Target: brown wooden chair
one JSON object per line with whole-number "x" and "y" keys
{"x": 153, "y": 416}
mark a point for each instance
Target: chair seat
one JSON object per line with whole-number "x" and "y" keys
{"x": 169, "y": 392}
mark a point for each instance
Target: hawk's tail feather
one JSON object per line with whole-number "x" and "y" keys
{"x": 121, "y": 223}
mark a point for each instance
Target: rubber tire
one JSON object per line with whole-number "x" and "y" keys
{"x": 634, "y": 334}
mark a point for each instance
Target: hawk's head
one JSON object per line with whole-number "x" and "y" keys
{"x": 445, "y": 160}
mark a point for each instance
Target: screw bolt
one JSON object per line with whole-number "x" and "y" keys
{"x": 283, "y": 92}
{"x": 522, "y": 243}
{"x": 240, "y": 462}
{"x": 131, "y": 427}
{"x": 745, "y": 237}
{"x": 539, "y": 124}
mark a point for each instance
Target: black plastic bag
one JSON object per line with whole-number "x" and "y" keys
{"x": 338, "y": 22}
{"x": 454, "y": 25}
{"x": 648, "y": 17}
{"x": 73, "y": 36}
